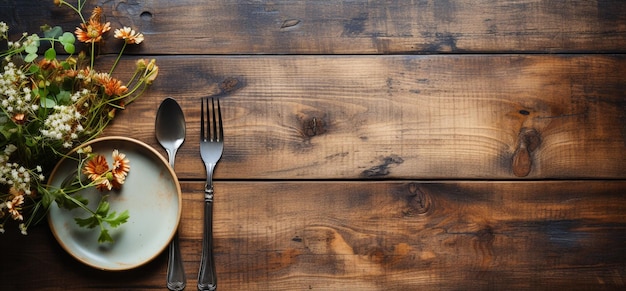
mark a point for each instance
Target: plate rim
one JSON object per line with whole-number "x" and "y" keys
{"x": 155, "y": 153}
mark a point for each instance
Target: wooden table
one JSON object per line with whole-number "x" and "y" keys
{"x": 377, "y": 145}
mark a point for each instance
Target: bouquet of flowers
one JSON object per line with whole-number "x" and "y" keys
{"x": 50, "y": 105}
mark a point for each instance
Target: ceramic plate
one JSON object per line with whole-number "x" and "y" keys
{"x": 151, "y": 194}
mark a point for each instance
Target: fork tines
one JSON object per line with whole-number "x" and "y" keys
{"x": 213, "y": 132}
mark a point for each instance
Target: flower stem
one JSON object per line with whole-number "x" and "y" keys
{"x": 117, "y": 59}
{"x": 93, "y": 53}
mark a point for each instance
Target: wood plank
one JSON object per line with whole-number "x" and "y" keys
{"x": 350, "y": 27}
{"x": 399, "y": 117}
{"x": 376, "y": 236}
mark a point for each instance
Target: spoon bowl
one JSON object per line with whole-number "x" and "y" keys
{"x": 170, "y": 127}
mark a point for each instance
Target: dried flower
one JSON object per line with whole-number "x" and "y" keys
{"x": 129, "y": 35}
{"x": 98, "y": 171}
{"x": 120, "y": 169}
{"x": 112, "y": 86}
{"x": 92, "y": 31}
{"x": 13, "y": 207}
{"x": 121, "y": 166}
{"x": 96, "y": 167}
{"x": 152, "y": 70}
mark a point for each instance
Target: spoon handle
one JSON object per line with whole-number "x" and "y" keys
{"x": 176, "y": 280}
{"x": 207, "y": 277}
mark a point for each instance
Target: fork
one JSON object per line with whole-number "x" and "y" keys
{"x": 211, "y": 148}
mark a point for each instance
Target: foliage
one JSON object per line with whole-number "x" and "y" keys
{"x": 50, "y": 105}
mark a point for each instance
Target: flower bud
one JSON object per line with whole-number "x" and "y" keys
{"x": 141, "y": 64}
{"x": 151, "y": 65}
{"x": 85, "y": 150}
{"x": 152, "y": 75}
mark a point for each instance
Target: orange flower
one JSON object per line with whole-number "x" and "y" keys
{"x": 115, "y": 87}
{"x": 96, "y": 169}
{"x": 70, "y": 73}
{"x": 46, "y": 64}
{"x": 111, "y": 85}
{"x": 129, "y": 35}
{"x": 121, "y": 166}
{"x": 92, "y": 31}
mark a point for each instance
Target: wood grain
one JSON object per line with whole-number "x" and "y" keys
{"x": 375, "y": 236}
{"x": 376, "y": 145}
{"x": 399, "y": 117}
{"x": 350, "y": 27}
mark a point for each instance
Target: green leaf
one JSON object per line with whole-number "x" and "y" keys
{"x": 50, "y": 54}
{"x": 89, "y": 222}
{"x": 116, "y": 221}
{"x": 68, "y": 204}
{"x": 64, "y": 97}
{"x": 103, "y": 207}
{"x": 67, "y": 38}
{"x": 31, "y": 49}
{"x": 69, "y": 48}
{"x": 30, "y": 57}
{"x": 33, "y": 69}
{"x": 46, "y": 198}
{"x": 104, "y": 236}
{"x": 53, "y": 32}
{"x": 66, "y": 65}
{"x": 47, "y": 102}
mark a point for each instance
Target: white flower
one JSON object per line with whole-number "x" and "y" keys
{"x": 16, "y": 98}
{"x": 63, "y": 125}
{"x": 4, "y": 28}
{"x": 9, "y": 149}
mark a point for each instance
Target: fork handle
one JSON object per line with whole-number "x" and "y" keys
{"x": 207, "y": 277}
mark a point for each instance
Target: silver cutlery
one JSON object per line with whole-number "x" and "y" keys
{"x": 211, "y": 148}
{"x": 170, "y": 132}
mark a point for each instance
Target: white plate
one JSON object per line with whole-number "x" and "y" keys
{"x": 151, "y": 194}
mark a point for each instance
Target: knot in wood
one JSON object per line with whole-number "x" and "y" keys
{"x": 229, "y": 84}
{"x": 418, "y": 201}
{"x": 528, "y": 141}
{"x": 314, "y": 126}
{"x": 486, "y": 236}
{"x": 529, "y": 138}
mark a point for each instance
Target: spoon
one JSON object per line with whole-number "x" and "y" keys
{"x": 170, "y": 132}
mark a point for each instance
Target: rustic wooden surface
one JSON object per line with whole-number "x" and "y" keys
{"x": 378, "y": 145}
{"x": 440, "y": 117}
{"x": 354, "y": 27}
